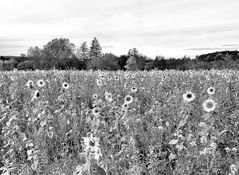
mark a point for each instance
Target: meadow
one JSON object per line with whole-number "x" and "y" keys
{"x": 126, "y": 122}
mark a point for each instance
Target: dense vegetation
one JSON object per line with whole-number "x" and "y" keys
{"x": 62, "y": 54}
{"x": 128, "y": 122}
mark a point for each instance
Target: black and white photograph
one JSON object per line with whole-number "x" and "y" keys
{"x": 119, "y": 87}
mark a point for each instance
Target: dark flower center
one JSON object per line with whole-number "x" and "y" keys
{"x": 189, "y": 95}
{"x": 92, "y": 143}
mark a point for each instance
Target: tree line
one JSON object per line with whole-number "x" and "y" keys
{"x": 63, "y": 55}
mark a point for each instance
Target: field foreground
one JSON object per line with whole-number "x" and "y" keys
{"x": 134, "y": 123}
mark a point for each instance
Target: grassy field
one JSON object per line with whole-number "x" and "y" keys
{"x": 134, "y": 123}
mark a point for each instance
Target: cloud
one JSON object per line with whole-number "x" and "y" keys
{"x": 216, "y": 48}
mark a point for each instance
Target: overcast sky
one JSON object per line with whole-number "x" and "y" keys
{"x": 170, "y": 28}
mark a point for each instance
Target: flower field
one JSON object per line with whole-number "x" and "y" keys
{"x": 119, "y": 123}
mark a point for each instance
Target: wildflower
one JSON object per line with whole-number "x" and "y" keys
{"x": 213, "y": 145}
{"x": 204, "y": 151}
{"x": 211, "y": 90}
{"x": 29, "y": 84}
{"x": 128, "y": 99}
{"x": 109, "y": 78}
{"x": 65, "y": 85}
{"x": 233, "y": 168}
{"x": 173, "y": 142}
{"x": 125, "y": 106}
{"x": 209, "y": 105}
{"x": 36, "y": 94}
{"x": 96, "y": 111}
{"x": 134, "y": 89}
{"x": 40, "y": 83}
{"x": 91, "y": 145}
{"x": 188, "y": 96}
{"x": 101, "y": 76}
{"x": 50, "y": 133}
{"x": 133, "y": 76}
{"x": 108, "y": 96}
{"x": 95, "y": 96}
{"x": 203, "y": 140}
{"x": 227, "y": 149}
{"x": 99, "y": 82}
{"x": 117, "y": 78}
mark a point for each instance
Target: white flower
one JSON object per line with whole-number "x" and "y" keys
{"x": 203, "y": 139}
{"x": 213, "y": 145}
{"x": 233, "y": 168}
{"x": 209, "y": 105}
{"x": 108, "y": 96}
{"x": 188, "y": 96}
{"x": 91, "y": 145}
{"x": 173, "y": 142}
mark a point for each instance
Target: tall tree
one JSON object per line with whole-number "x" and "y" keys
{"x": 95, "y": 49}
{"x": 135, "y": 60}
{"x": 58, "y": 51}
{"x": 82, "y": 52}
{"x": 59, "y": 48}
{"x": 131, "y": 63}
{"x": 33, "y": 52}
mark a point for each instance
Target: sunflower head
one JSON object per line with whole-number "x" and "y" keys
{"x": 188, "y": 96}
{"x": 40, "y": 83}
{"x": 65, "y": 85}
{"x": 211, "y": 90}
{"x": 128, "y": 99}
{"x": 209, "y": 105}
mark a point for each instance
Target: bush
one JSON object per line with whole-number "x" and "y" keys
{"x": 25, "y": 65}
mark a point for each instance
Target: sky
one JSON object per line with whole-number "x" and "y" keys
{"x": 170, "y": 28}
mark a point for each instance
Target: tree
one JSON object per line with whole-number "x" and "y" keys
{"x": 34, "y": 52}
{"x": 95, "y": 49}
{"x": 59, "y": 48}
{"x": 135, "y": 60}
{"x": 131, "y": 63}
{"x": 107, "y": 62}
{"x": 26, "y": 65}
{"x": 82, "y": 52}
{"x": 4, "y": 58}
{"x": 160, "y": 63}
{"x": 57, "y": 51}
{"x": 122, "y": 60}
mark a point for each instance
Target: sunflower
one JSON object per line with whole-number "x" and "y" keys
{"x": 128, "y": 99}
{"x": 65, "y": 85}
{"x": 40, "y": 83}
{"x": 91, "y": 145}
{"x": 117, "y": 78}
{"x": 211, "y": 90}
{"x": 109, "y": 78}
{"x": 125, "y": 106}
{"x": 95, "y": 96}
{"x": 209, "y": 105}
{"x": 188, "y": 96}
{"x": 36, "y": 94}
{"x": 108, "y": 96}
{"x": 29, "y": 84}
{"x": 96, "y": 111}
{"x": 99, "y": 82}
{"x": 134, "y": 89}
